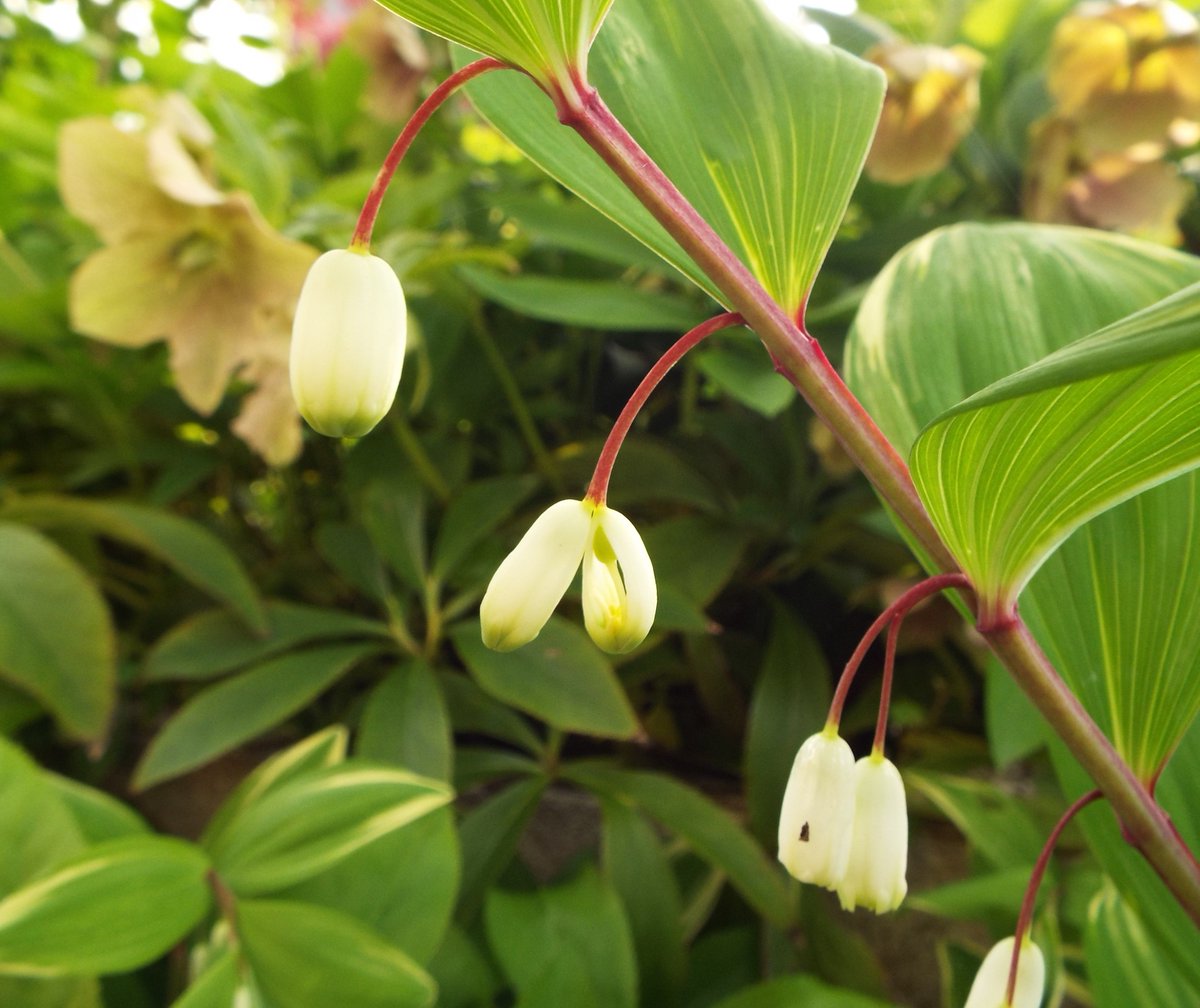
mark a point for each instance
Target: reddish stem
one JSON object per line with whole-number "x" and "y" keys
{"x": 598, "y": 488}
{"x": 896, "y": 611}
{"x": 370, "y": 209}
{"x": 885, "y": 689}
{"x": 1035, "y": 880}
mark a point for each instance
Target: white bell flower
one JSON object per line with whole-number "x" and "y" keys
{"x": 875, "y": 871}
{"x": 991, "y": 982}
{"x": 817, "y": 818}
{"x": 619, "y": 592}
{"x": 348, "y": 342}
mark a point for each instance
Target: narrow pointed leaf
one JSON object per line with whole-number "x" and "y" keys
{"x": 191, "y": 549}
{"x": 316, "y": 820}
{"x": 117, "y": 906}
{"x": 304, "y": 955}
{"x": 56, "y": 639}
{"x": 706, "y": 827}
{"x": 763, "y": 131}
{"x": 221, "y": 717}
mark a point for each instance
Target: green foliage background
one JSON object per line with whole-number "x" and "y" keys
{"x": 252, "y": 742}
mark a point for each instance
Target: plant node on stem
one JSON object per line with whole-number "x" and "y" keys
{"x": 815, "y": 378}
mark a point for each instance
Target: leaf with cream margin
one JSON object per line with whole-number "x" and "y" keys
{"x": 185, "y": 263}
{"x": 762, "y": 130}
{"x": 1114, "y": 605}
{"x": 546, "y": 38}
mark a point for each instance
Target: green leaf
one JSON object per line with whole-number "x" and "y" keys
{"x": 798, "y": 992}
{"x": 98, "y": 815}
{"x": 975, "y": 897}
{"x": 216, "y": 987}
{"x": 574, "y": 226}
{"x": 1008, "y": 474}
{"x": 403, "y": 885}
{"x": 473, "y": 711}
{"x": 546, "y": 38}
{"x": 116, "y": 907}
{"x": 489, "y": 835}
{"x": 742, "y": 371}
{"x": 212, "y": 643}
{"x": 591, "y": 304}
{"x": 790, "y": 702}
{"x": 996, "y": 823}
{"x": 566, "y": 945}
{"x": 967, "y": 306}
{"x": 682, "y": 77}
{"x": 225, "y": 715}
{"x": 705, "y": 826}
{"x": 37, "y": 830}
{"x": 56, "y": 640}
{"x": 560, "y": 677}
{"x": 303, "y": 956}
{"x": 319, "y": 751}
{"x": 637, "y": 867}
{"x": 404, "y": 723}
{"x": 313, "y": 821}
{"x": 393, "y": 512}
{"x": 1124, "y": 962}
{"x": 475, "y": 513}
{"x": 198, "y": 555}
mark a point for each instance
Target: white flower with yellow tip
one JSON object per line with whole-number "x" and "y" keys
{"x": 817, "y": 818}
{"x": 878, "y": 862}
{"x": 348, "y": 343}
{"x": 619, "y": 593}
{"x": 991, "y": 982}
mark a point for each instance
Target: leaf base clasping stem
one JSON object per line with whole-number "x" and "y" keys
{"x": 801, "y": 360}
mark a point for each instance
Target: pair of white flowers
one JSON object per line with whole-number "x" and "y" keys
{"x": 844, "y": 825}
{"x": 348, "y": 343}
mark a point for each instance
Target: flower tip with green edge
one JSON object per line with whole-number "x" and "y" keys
{"x": 991, "y": 982}
{"x": 817, "y": 818}
{"x": 878, "y": 862}
{"x": 619, "y": 592}
{"x": 348, "y": 342}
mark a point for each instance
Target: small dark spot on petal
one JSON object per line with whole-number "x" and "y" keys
{"x": 804, "y": 833}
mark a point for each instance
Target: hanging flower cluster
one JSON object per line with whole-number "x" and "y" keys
{"x": 844, "y": 825}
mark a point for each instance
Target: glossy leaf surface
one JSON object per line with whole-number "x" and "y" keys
{"x": 762, "y": 131}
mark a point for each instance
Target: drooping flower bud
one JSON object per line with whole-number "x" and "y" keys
{"x": 817, "y": 818}
{"x": 991, "y": 982}
{"x": 348, "y": 343}
{"x": 619, "y": 592}
{"x": 875, "y": 872}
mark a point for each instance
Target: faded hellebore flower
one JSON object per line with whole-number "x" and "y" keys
{"x": 348, "y": 343}
{"x": 991, "y": 982}
{"x": 619, "y": 592}
{"x": 186, "y": 263}
{"x": 931, "y": 103}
